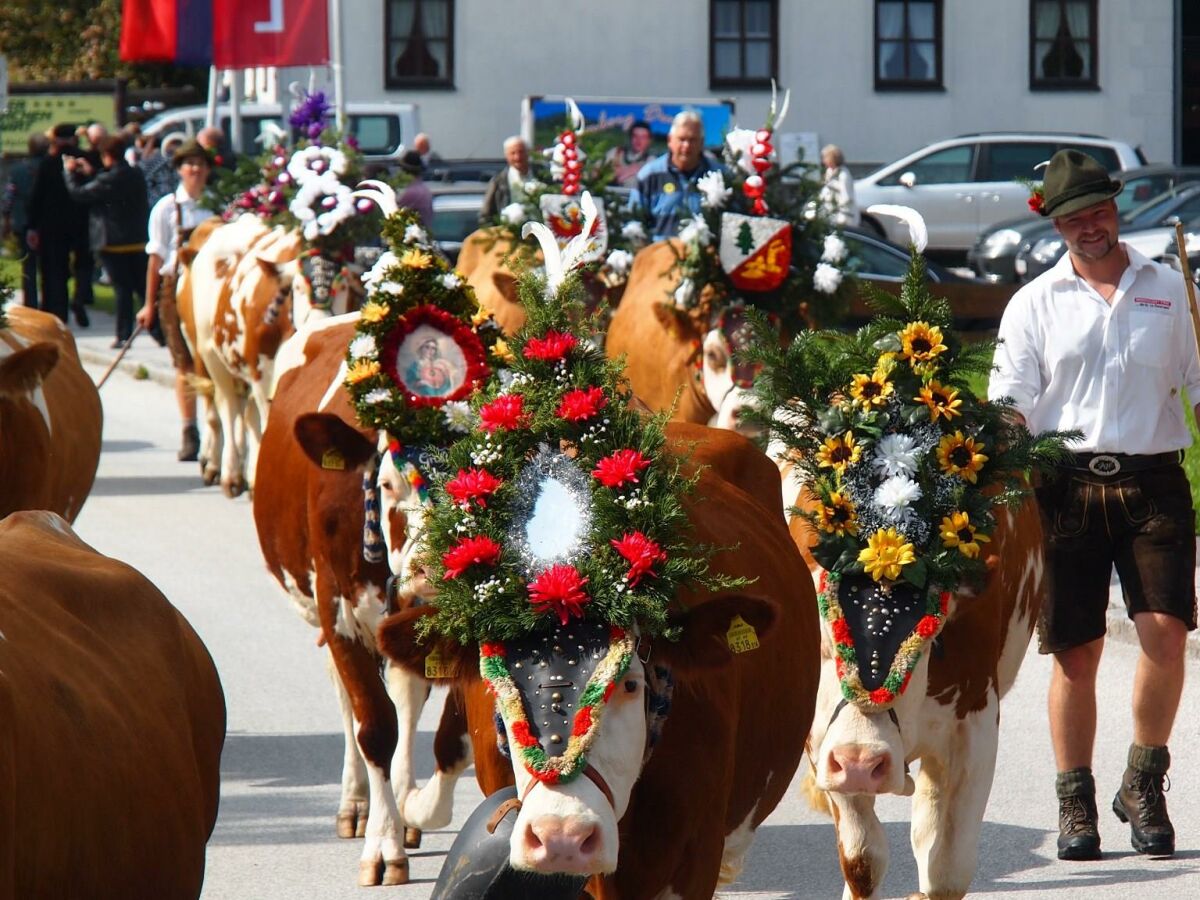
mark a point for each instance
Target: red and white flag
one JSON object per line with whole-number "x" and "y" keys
{"x": 270, "y": 33}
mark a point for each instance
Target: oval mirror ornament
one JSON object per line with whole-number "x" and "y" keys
{"x": 554, "y": 510}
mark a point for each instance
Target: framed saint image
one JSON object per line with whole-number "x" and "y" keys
{"x": 433, "y": 358}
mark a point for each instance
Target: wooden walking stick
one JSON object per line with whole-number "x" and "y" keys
{"x": 120, "y": 355}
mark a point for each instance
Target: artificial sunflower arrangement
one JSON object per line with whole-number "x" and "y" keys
{"x": 904, "y": 468}
{"x": 561, "y": 505}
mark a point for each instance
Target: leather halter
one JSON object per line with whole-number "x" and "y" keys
{"x": 514, "y": 803}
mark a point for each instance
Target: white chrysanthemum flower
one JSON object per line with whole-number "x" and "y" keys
{"x": 619, "y": 262}
{"x": 415, "y": 234}
{"x": 377, "y": 272}
{"x": 896, "y": 454}
{"x": 827, "y": 278}
{"x": 458, "y": 416}
{"x": 739, "y": 141}
{"x": 451, "y": 281}
{"x": 513, "y": 214}
{"x": 633, "y": 231}
{"x": 712, "y": 186}
{"x": 363, "y": 347}
{"x": 895, "y": 495}
{"x": 507, "y": 379}
{"x": 378, "y": 395}
{"x": 685, "y": 294}
{"x": 696, "y": 231}
{"x": 395, "y": 288}
{"x": 834, "y": 250}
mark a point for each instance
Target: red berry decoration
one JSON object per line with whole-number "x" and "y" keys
{"x": 761, "y": 164}
{"x": 568, "y": 139}
{"x": 762, "y": 135}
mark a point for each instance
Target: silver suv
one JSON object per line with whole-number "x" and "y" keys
{"x": 968, "y": 183}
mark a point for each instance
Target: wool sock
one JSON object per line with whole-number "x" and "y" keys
{"x": 1075, "y": 783}
{"x": 1155, "y": 760}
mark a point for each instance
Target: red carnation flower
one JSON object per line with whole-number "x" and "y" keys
{"x": 882, "y": 695}
{"x": 927, "y": 627}
{"x": 641, "y": 553}
{"x": 507, "y": 412}
{"x": 1037, "y": 200}
{"x": 841, "y": 631}
{"x": 551, "y": 348}
{"x": 472, "y": 484}
{"x": 470, "y": 551}
{"x": 621, "y": 467}
{"x": 559, "y": 589}
{"x": 581, "y": 404}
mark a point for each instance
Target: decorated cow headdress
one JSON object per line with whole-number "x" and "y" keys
{"x": 903, "y": 466}
{"x": 559, "y": 531}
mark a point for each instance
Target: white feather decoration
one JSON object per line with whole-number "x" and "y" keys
{"x": 918, "y": 233}
{"x": 380, "y": 194}
{"x": 575, "y": 116}
{"x": 775, "y": 119}
{"x": 559, "y": 263}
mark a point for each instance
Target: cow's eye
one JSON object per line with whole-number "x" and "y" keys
{"x": 716, "y": 358}
{"x": 631, "y": 686}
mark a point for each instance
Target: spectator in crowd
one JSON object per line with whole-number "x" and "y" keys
{"x": 628, "y": 160}
{"x": 58, "y": 226}
{"x": 666, "y": 190}
{"x": 161, "y": 176}
{"x": 837, "y": 188}
{"x": 416, "y": 196}
{"x": 214, "y": 141}
{"x": 17, "y": 193}
{"x": 115, "y": 197}
{"x": 423, "y": 147}
{"x": 508, "y": 185}
{"x": 171, "y": 222}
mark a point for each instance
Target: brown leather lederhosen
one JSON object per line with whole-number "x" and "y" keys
{"x": 168, "y": 311}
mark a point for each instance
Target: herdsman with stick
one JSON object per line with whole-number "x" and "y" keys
{"x": 1103, "y": 343}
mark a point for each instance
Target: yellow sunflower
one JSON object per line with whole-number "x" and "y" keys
{"x": 416, "y": 259}
{"x": 941, "y": 400}
{"x": 871, "y": 390}
{"x": 502, "y": 351}
{"x": 838, "y": 452}
{"x": 374, "y": 312}
{"x": 961, "y": 456}
{"x": 838, "y": 515}
{"x": 887, "y": 552}
{"x": 957, "y": 531}
{"x": 480, "y": 316}
{"x": 362, "y": 370}
{"x": 921, "y": 342}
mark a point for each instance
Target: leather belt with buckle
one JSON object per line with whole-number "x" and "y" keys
{"x": 1106, "y": 465}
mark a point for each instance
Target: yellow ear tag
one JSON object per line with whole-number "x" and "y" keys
{"x": 437, "y": 666}
{"x": 741, "y": 636}
{"x": 333, "y": 459}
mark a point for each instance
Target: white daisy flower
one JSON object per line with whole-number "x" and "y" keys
{"x": 619, "y": 262}
{"x": 834, "y": 250}
{"x": 633, "y": 231}
{"x": 451, "y": 281}
{"x": 378, "y": 395}
{"x": 394, "y": 288}
{"x": 712, "y": 185}
{"x": 896, "y": 454}
{"x": 458, "y": 416}
{"x": 739, "y": 141}
{"x": 696, "y": 231}
{"x": 377, "y": 272}
{"x": 363, "y": 347}
{"x": 513, "y": 214}
{"x": 827, "y": 278}
{"x": 415, "y": 234}
{"x": 894, "y": 497}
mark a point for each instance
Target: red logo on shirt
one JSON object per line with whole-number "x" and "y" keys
{"x": 1152, "y": 304}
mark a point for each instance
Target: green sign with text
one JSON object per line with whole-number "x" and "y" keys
{"x": 29, "y": 113}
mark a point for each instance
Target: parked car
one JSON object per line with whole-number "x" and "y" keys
{"x": 381, "y": 129}
{"x": 455, "y": 215}
{"x": 1150, "y": 229}
{"x": 967, "y": 184}
{"x": 995, "y": 252}
{"x": 464, "y": 170}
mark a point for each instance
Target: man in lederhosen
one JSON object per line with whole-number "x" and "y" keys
{"x": 1103, "y": 343}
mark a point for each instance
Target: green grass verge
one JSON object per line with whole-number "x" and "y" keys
{"x": 10, "y": 273}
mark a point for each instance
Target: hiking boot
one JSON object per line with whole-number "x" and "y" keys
{"x": 1141, "y": 801}
{"x": 190, "y": 451}
{"x": 1078, "y": 829}
{"x": 81, "y": 315}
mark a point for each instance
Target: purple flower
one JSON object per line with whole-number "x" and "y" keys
{"x": 310, "y": 114}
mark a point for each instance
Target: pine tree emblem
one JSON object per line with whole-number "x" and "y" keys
{"x": 745, "y": 240}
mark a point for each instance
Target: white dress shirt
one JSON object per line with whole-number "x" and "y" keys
{"x": 161, "y": 227}
{"x": 1115, "y": 371}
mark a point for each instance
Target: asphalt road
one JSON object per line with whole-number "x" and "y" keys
{"x": 282, "y": 761}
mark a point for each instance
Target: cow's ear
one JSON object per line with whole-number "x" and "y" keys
{"x": 707, "y": 638}
{"x": 506, "y": 284}
{"x": 24, "y": 370}
{"x": 397, "y": 639}
{"x": 332, "y": 444}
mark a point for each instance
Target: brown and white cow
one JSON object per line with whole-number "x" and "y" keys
{"x": 680, "y": 822}
{"x": 50, "y": 417}
{"x": 112, "y": 721}
{"x": 481, "y": 261}
{"x": 309, "y": 512}
{"x": 948, "y": 719}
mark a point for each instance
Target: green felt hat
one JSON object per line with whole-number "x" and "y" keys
{"x": 1075, "y": 181}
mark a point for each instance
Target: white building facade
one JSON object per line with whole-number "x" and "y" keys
{"x": 878, "y": 77}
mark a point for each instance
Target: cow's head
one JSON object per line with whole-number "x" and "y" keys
{"x": 875, "y": 648}
{"x": 322, "y": 287}
{"x": 394, "y": 494}
{"x": 577, "y": 711}
{"x": 728, "y": 382}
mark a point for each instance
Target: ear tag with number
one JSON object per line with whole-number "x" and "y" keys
{"x": 333, "y": 459}
{"x": 741, "y": 636}
{"x": 438, "y": 666}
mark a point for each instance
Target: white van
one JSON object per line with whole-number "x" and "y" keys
{"x": 383, "y": 130}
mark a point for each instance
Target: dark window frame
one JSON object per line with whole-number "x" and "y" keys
{"x": 396, "y": 82}
{"x": 937, "y": 83}
{"x": 1091, "y": 83}
{"x": 742, "y": 81}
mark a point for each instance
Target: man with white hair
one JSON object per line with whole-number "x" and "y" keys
{"x": 508, "y": 185}
{"x": 666, "y": 187}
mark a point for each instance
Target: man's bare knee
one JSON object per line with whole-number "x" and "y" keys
{"x": 1163, "y": 637}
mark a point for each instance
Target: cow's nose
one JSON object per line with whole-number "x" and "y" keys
{"x": 562, "y": 844}
{"x": 854, "y": 769}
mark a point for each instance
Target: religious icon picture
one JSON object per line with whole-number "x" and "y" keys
{"x": 433, "y": 357}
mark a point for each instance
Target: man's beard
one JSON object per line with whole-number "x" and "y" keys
{"x": 1077, "y": 249}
